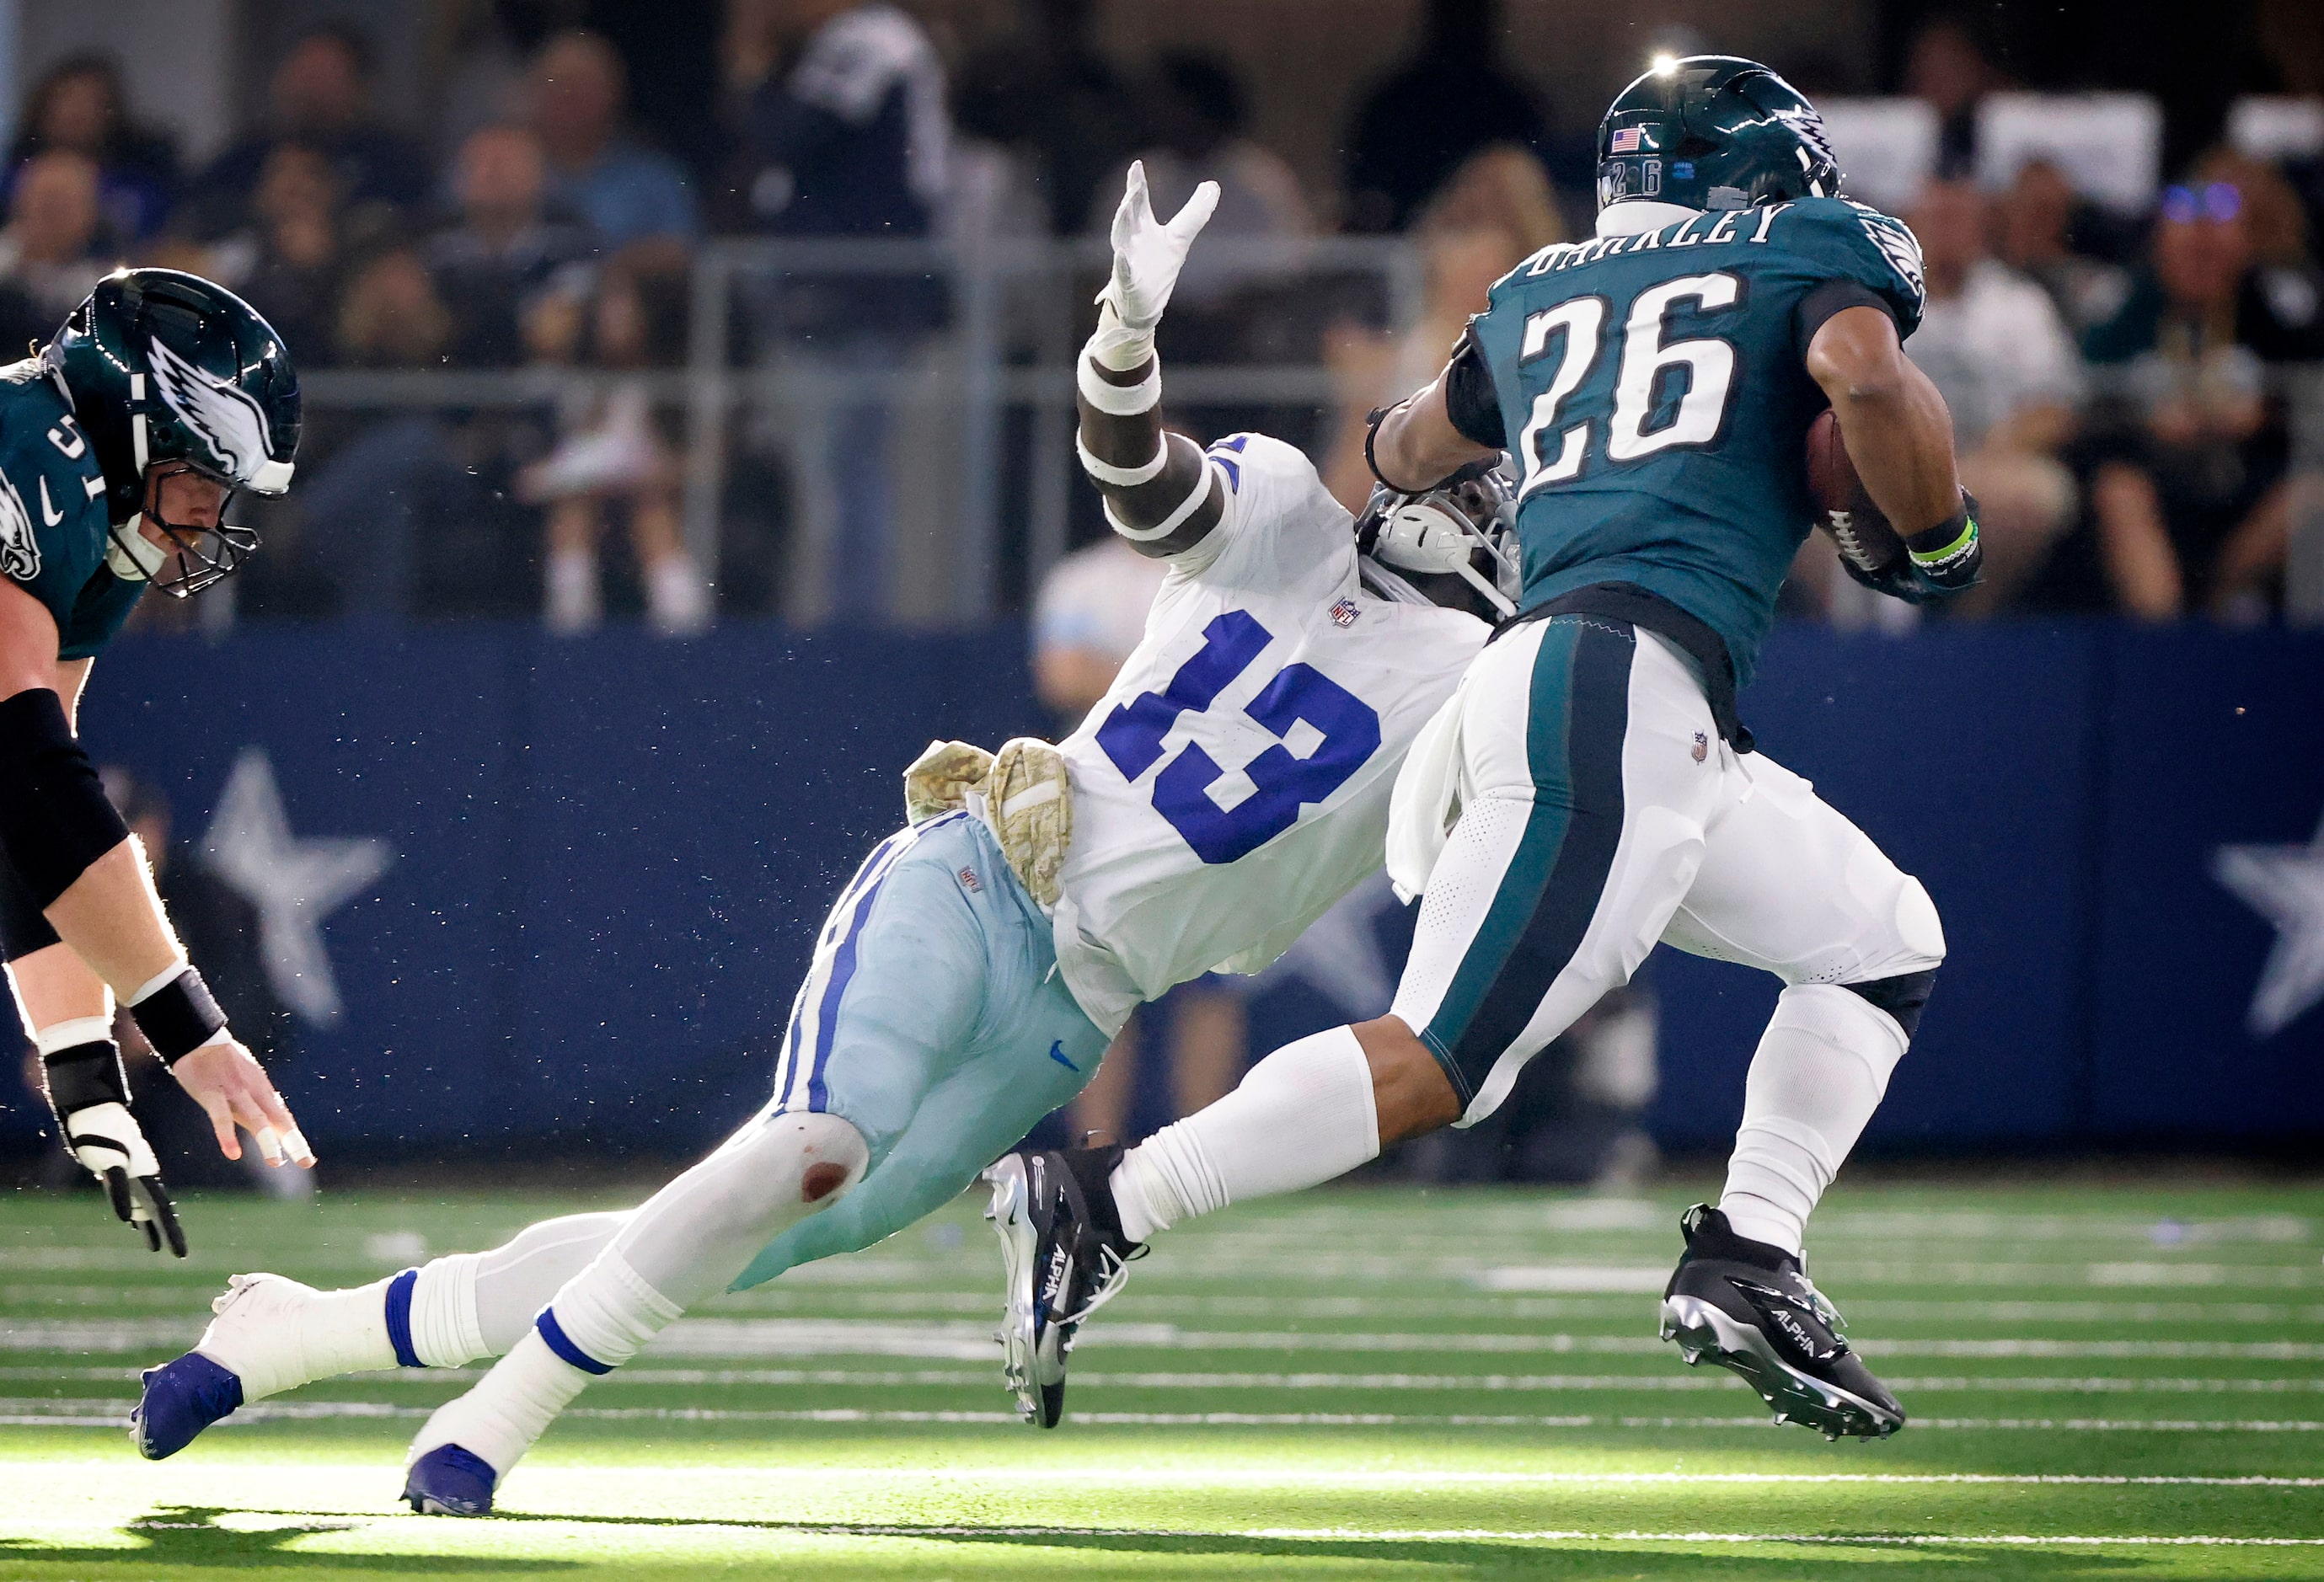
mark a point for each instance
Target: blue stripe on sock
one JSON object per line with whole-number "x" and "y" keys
{"x": 399, "y": 1317}
{"x": 560, "y": 1343}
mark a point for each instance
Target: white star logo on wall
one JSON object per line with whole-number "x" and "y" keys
{"x": 2284, "y": 885}
{"x": 294, "y": 883}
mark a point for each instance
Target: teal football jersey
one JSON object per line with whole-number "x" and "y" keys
{"x": 53, "y": 528}
{"x": 1653, "y": 392}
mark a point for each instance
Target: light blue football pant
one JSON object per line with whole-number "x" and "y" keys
{"x": 933, "y": 1019}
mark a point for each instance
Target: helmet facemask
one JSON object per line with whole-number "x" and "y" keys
{"x": 203, "y": 555}
{"x": 1465, "y": 528}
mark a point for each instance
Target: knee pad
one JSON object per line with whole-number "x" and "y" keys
{"x": 1918, "y": 929}
{"x": 1903, "y": 996}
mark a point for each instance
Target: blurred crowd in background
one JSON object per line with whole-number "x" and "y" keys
{"x": 2113, "y": 377}
{"x": 504, "y": 319}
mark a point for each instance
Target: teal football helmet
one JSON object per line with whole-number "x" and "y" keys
{"x": 166, "y": 368}
{"x": 1713, "y": 132}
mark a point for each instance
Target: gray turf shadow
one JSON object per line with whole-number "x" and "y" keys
{"x": 1478, "y": 1558}
{"x": 190, "y": 1536}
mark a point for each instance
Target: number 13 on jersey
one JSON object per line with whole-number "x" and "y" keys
{"x": 1342, "y": 732}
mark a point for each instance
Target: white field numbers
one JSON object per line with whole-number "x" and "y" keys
{"x": 1578, "y": 325}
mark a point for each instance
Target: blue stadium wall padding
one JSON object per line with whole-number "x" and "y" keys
{"x": 2212, "y": 740}
{"x": 611, "y": 854}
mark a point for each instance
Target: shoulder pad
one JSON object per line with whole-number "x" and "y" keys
{"x": 1859, "y": 241}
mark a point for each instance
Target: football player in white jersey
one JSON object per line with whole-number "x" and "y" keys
{"x": 1589, "y": 792}
{"x": 1230, "y": 787}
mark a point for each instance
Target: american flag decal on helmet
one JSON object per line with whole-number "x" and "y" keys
{"x": 1630, "y": 139}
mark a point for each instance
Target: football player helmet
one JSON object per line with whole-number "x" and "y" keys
{"x": 1713, "y": 132}
{"x": 163, "y": 367}
{"x": 1465, "y": 529}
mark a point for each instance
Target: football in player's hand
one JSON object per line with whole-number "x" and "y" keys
{"x": 1844, "y": 509}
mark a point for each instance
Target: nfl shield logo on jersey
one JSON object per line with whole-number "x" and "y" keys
{"x": 1345, "y": 612}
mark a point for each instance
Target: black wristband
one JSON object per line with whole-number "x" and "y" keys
{"x": 85, "y": 1075}
{"x": 179, "y": 1017}
{"x": 1371, "y": 432}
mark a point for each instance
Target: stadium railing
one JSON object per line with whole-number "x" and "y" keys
{"x": 1011, "y": 316}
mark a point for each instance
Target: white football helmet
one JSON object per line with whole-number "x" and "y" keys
{"x": 1466, "y": 529}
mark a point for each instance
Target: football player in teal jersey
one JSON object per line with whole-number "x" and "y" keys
{"x": 121, "y": 443}
{"x": 1589, "y": 792}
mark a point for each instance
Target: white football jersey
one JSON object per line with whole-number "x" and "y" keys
{"x": 1234, "y": 782}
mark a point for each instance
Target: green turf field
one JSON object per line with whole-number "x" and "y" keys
{"x": 2123, "y": 1383}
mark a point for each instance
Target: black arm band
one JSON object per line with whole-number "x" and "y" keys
{"x": 54, "y": 818}
{"x": 1834, "y": 297}
{"x": 23, "y": 928}
{"x": 1469, "y": 397}
{"x": 179, "y": 1017}
{"x": 85, "y": 1076}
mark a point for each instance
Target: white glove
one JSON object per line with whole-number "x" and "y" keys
{"x": 1148, "y": 255}
{"x": 108, "y": 1141}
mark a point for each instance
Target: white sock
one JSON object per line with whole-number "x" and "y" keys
{"x": 513, "y": 1283}
{"x": 1302, "y": 1115}
{"x": 502, "y": 1418}
{"x": 1817, "y": 1075}
{"x": 694, "y": 1237}
{"x": 469, "y": 1305}
{"x": 276, "y": 1334}
{"x": 604, "y": 1317}
{"x": 574, "y": 602}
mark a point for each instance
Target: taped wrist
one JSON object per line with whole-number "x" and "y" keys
{"x": 178, "y": 1015}
{"x": 1947, "y": 555}
{"x": 1115, "y": 345}
{"x": 54, "y": 817}
{"x": 84, "y": 1075}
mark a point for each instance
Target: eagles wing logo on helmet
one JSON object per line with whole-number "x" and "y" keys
{"x": 228, "y": 421}
{"x": 1810, "y": 129}
{"x": 20, "y": 551}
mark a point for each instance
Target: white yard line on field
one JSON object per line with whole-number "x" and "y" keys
{"x": 649, "y": 1377}
{"x": 1576, "y": 1535}
{"x": 964, "y": 1341}
{"x": 113, "y": 1414}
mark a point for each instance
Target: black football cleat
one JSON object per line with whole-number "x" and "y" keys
{"x": 1061, "y": 1247}
{"x": 1751, "y": 1308}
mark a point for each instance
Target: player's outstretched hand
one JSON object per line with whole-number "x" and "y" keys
{"x": 107, "y": 1140}
{"x": 230, "y": 1085}
{"x": 1148, "y": 255}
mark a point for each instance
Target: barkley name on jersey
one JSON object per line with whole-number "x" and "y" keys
{"x": 1662, "y": 398}
{"x": 55, "y": 534}
{"x": 1234, "y": 782}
